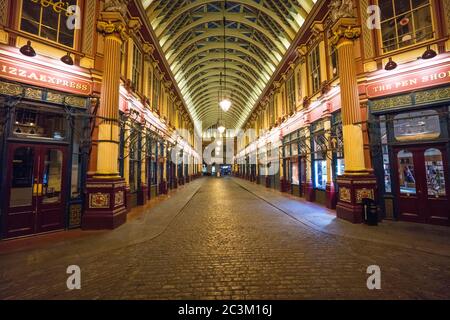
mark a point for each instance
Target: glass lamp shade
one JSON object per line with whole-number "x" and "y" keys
{"x": 225, "y": 104}
{"x": 221, "y": 129}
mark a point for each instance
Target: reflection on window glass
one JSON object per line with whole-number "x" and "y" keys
{"x": 75, "y": 189}
{"x": 435, "y": 173}
{"x": 320, "y": 174}
{"x": 52, "y": 177}
{"x": 406, "y": 175}
{"x": 48, "y": 21}
{"x": 385, "y": 149}
{"x": 421, "y": 125}
{"x": 340, "y": 167}
{"x": 22, "y": 178}
{"x": 30, "y": 123}
{"x": 405, "y": 22}
{"x": 294, "y": 171}
{"x": 287, "y": 151}
{"x": 294, "y": 149}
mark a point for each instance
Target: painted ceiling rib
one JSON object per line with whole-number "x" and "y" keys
{"x": 258, "y": 34}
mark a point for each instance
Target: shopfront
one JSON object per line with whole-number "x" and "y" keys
{"x": 44, "y": 152}
{"x": 295, "y": 162}
{"x": 319, "y": 161}
{"x": 410, "y": 147}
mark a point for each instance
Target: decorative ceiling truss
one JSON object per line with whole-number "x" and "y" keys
{"x": 258, "y": 34}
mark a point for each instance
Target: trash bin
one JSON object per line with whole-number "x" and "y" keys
{"x": 370, "y": 212}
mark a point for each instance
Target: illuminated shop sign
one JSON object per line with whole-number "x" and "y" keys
{"x": 408, "y": 82}
{"x": 17, "y": 71}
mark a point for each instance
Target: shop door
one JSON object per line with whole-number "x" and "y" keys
{"x": 423, "y": 189}
{"x": 35, "y": 197}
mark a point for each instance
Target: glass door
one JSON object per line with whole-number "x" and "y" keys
{"x": 36, "y": 194}
{"x": 422, "y": 184}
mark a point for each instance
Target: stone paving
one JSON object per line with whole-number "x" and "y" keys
{"x": 222, "y": 242}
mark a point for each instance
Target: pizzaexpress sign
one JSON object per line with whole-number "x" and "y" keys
{"x": 43, "y": 77}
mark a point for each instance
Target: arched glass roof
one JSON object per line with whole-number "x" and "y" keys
{"x": 258, "y": 34}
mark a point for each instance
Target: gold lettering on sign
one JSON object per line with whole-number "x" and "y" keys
{"x": 415, "y": 80}
{"x": 16, "y": 72}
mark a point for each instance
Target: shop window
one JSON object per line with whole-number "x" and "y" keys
{"x": 75, "y": 188}
{"x": 407, "y": 179}
{"x": 287, "y": 151}
{"x": 314, "y": 68}
{"x": 340, "y": 167}
{"x": 290, "y": 84}
{"x": 33, "y": 124}
{"x": 294, "y": 149}
{"x": 22, "y": 177}
{"x": 421, "y": 125}
{"x": 295, "y": 173}
{"x": 135, "y": 159}
{"x": 435, "y": 173}
{"x": 272, "y": 115}
{"x": 405, "y": 22}
{"x": 154, "y": 163}
{"x": 320, "y": 162}
{"x": 320, "y": 174}
{"x": 385, "y": 150}
{"x": 156, "y": 91}
{"x": 334, "y": 62}
{"x": 47, "y": 21}
{"x": 52, "y": 183}
{"x": 137, "y": 68}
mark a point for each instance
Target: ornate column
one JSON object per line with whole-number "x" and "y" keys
{"x": 358, "y": 182}
{"x": 105, "y": 207}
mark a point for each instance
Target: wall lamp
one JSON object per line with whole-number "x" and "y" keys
{"x": 429, "y": 53}
{"x": 67, "y": 59}
{"x": 27, "y": 50}
{"x": 391, "y": 65}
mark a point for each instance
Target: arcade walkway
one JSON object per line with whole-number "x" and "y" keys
{"x": 215, "y": 239}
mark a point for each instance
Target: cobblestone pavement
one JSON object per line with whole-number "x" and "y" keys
{"x": 228, "y": 244}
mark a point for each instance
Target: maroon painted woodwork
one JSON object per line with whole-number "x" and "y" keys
{"x": 420, "y": 206}
{"x": 35, "y": 206}
{"x": 331, "y": 196}
{"x": 142, "y": 195}
{"x": 105, "y": 204}
{"x": 352, "y": 189}
{"x": 310, "y": 193}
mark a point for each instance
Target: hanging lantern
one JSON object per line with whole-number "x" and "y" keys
{"x": 225, "y": 104}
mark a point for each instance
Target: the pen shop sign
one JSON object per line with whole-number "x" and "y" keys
{"x": 42, "y": 77}
{"x": 430, "y": 77}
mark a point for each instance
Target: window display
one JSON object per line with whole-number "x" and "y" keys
{"x": 320, "y": 174}
{"x": 421, "y": 125}
{"x": 406, "y": 173}
{"x": 295, "y": 173}
{"x": 435, "y": 173}
{"x": 34, "y": 124}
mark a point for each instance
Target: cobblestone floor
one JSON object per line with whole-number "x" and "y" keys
{"x": 228, "y": 244}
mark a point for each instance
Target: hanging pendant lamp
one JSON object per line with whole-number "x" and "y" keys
{"x": 225, "y": 103}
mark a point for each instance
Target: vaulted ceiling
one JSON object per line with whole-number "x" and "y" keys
{"x": 258, "y": 34}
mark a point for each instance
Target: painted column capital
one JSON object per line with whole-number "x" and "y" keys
{"x": 345, "y": 29}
